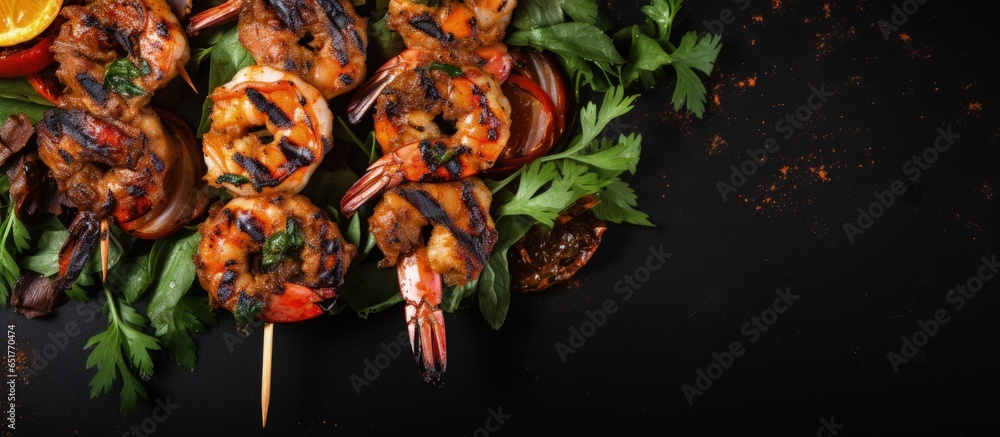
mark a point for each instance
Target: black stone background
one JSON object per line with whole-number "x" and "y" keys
{"x": 824, "y": 359}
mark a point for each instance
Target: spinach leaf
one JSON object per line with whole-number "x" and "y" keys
{"x": 18, "y": 96}
{"x": 227, "y": 57}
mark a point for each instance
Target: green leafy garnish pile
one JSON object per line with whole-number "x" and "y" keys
{"x": 590, "y": 55}
{"x": 151, "y": 298}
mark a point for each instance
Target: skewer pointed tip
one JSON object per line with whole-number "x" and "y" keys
{"x": 265, "y": 377}
{"x": 105, "y": 248}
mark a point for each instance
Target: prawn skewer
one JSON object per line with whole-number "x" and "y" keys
{"x": 297, "y": 133}
{"x": 265, "y": 375}
{"x": 88, "y": 51}
{"x": 323, "y": 41}
{"x": 462, "y": 236}
{"x": 413, "y": 118}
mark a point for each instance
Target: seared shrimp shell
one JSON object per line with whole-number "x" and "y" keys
{"x": 323, "y": 41}
{"x": 275, "y": 254}
{"x": 458, "y": 213}
{"x": 105, "y": 166}
{"x": 434, "y": 123}
{"x": 269, "y": 132}
{"x": 143, "y": 33}
{"x": 462, "y": 236}
{"x": 451, "y": 25}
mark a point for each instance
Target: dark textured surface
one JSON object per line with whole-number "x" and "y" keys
{"x": 826, "y": 356}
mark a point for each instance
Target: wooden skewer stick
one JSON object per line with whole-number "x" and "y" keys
{"x": 105, "y": 247}
{"x": 265, "y": 377}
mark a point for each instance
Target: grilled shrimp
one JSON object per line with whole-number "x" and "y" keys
{"x": 461, "y": 238}
{"x": 451, "y": 25}
{"x": 110, "y": 170}
{"x": 434, "y": 123}
{"x": 323, "y": 41}
{"x": 275, "y": 256}
{"x": 105, "y": 166}
{"x": 269, "y": 132}
{"x": 90, "y": 47}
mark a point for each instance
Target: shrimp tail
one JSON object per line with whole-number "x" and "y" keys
{"x": 215, "y": 16}
{"x": 421, "y": 290}
{"x": 76, "y": 251}
{"x": 368, "y": 93}
{"x": 382, "y": 175}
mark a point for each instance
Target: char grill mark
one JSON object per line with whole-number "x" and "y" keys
{"x": 274, "y": 113}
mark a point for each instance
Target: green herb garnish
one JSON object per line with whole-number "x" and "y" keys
{"x": 280, "y": 245}
{"x": 246, "y": 310}
{"x": 450, "y": 70}
{"x": 14, "y": 239}
{"x": 123, "y": 338}
{"x": 232, "y": 179}
{"x": 120, "y": 74}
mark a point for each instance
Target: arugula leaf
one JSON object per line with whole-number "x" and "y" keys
{"x": 133, "y": 276}
{"x": 532, "y": 14}
{"x": 123, "y": 338}
{"x": 227, "y": 57}
{"x": 14, "y": 238}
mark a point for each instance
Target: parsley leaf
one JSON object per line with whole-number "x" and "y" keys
{"x": 120, "y": 350}
{"x": 694, "y": 53}
{"x": 190, "y": 314}
{"x": 14, "y": 239}
{"x": 591, "y": 57}
{"x": 171, "y": 311}
{"x": 617, "y": 205}
{"x": 662, "y": 14}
